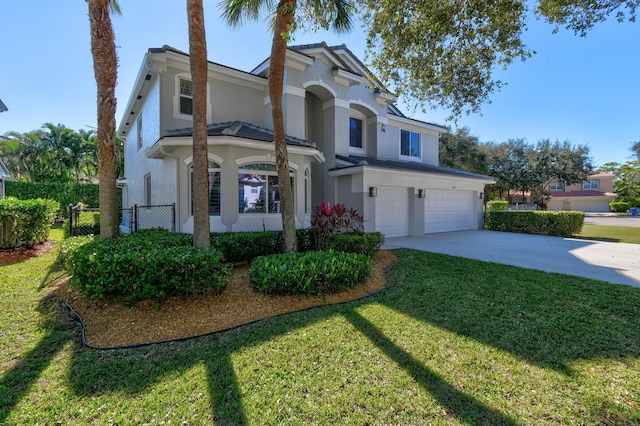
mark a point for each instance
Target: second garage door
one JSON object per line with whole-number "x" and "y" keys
{"x": 448, "y": 211}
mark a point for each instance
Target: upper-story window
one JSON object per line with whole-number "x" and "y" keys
{"x": 409, "y": 144}
{"x": 139, "y": 131}
{"x": 591, "y": 184}
{"x": 258, "y": 188}
{"x": 556, "y": 186}
{"x": 214, "y": 188}
{"x": 356, "y": 136}
{"x": 186, "y": 96}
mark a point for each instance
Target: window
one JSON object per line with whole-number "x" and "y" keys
{"x": 409, "y": 144}
{"x": 591, "y": 184}
{"x": 258, "y": 189}
{"x": 556, "y": 186}
{"x": 306, "y": 191}
{"x": 186, "y": 96}
{"x": 355, "y": 133}
{"x": 214, "y": 188}
{"x": 147, "y": 189}
{"x": 139, "y": 131}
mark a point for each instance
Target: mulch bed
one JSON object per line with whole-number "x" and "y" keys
{"x": 9, "y": 256}
{"x": 108, "y": 323}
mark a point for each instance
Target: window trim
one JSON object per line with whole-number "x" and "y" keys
{"x": 588, "y": 185}
{"x": 177, "y": 95}
{"x": 363, "y": 133}
{"x": 410, "y": 157}
{"x": 556, "y": 186}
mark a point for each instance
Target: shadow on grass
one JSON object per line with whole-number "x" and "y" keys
{"x": 607, "y": 240}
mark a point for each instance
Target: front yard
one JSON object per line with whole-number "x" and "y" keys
{"x": 450, "y": 341}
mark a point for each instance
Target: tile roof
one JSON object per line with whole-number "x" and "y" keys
{"x": 356, "y": 160}
{"x": 561, "y": 194}
{"x": 241, "y": 129}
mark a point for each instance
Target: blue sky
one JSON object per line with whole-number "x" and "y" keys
{"x": 585, "y": 90}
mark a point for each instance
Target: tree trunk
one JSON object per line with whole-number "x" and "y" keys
{"x": 105, "y": 64}
{"x": 282, "y": 27}
{"x": 199, "y": 67}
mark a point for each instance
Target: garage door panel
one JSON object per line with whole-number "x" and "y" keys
{"x": 392, "y": 211}
{"x": 448, "y": 211}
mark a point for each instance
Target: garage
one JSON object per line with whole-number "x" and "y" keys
{"x": 392, "y": 211}
{"x": 448, "y": 210}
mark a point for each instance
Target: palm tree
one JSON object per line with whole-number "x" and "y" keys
{"x": 105, "y": 65}
{"x": 198, "y": 60}
{"x": 324, "y": 13}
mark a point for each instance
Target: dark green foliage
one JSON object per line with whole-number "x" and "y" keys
{"x": 329, "y": 220}
{"x": 63, "y": 193}
{"x": 26, "y": 222}
{"x": 619, "y": 206}
{"x": 563, "y": 224}
{"x": 246, "y": 246}
{"x": 144, "y": 265}
{"x": 497, "y": 206}
{"x": 355, "y": 242}
{"x": 312, "y": 273}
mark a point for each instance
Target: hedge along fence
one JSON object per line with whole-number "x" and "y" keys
{"x": 63, "y": 193}
{"x": 25, "y": 222}
{"x": 561, "y": 223}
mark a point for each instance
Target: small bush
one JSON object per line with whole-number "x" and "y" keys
{"x": 619, "y": 206}
{"x": 27, "y": 222}
{"x": 312, "y": 273}
{"x": 497, "y": 206}
{"x": 355, "y": 242}
{"x": 561, "y": 223}
{"x": 327, "y": 220}
{"x": 145, "y": 265}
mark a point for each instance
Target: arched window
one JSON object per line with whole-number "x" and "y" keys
{"x": 214, "y": 188}
{"x": 258, "y": 189}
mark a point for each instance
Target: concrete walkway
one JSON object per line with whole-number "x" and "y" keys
{"x": 617, "y": 263}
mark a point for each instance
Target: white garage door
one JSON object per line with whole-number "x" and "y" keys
{"x": 448, "y": 211}
{"x": 392, "y": 211}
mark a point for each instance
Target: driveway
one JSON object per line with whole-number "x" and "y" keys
{"x": 617, "y": 263}
{"x": 611, "y": 219}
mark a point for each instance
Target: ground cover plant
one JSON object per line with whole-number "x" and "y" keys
{"x": 449, "y": 341}
{"x": 616, "y": 234}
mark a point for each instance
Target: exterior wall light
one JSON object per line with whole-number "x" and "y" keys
{"x": 422, "y": 193}
{"x": 373, "y": 191}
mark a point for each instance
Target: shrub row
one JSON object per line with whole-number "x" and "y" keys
{"x": 63, "y": 193}
{"x": 144, "y": 265}
{"x": 311, "y": 273}
{"x": 619, "y": 206}
{"x": 355, "y": 242}
{"x": 556, "y": 223}
{"x": 497, "y": 205}
{"x": 26, "y": 222}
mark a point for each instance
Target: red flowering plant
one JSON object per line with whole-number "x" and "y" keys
{"x": 328, "y": 220}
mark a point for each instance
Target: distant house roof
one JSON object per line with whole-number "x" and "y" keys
{"x": 356, "y": 160}
{"x": 3, "y": 107}
{"x": 241, "y": 129}
{"x": 562, "y": 194}
{"x": 601, "y": 175}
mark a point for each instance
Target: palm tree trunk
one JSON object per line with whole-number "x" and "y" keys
{"x": 198, "y": 55}
{"x": 105, "y": 63}
{"x": 284, "y": 19}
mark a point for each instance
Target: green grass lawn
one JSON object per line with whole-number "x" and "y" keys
{"x": 450, "y": 341}
{"x": 617, "y": 234}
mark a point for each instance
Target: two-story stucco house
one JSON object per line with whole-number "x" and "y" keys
{"x": 592, "y": 195}
{"x": 347, "y": 143}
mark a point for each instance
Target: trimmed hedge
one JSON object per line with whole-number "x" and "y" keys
{"x": 619, "y": 206}
{"x": 145, "y": 265}
{"x": 63, "y": 193}
{"x": 311, "y": 273}
{"x": 556, "y": 223}
{"x": 355, "y": 242}
{"x": 497, "y": 206}
{"x": 26, "y": 222}
{"x": 246, "y": 246}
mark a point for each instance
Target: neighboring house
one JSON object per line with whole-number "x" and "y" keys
{"x": 592, "y": 195}
{"x": 347, "y": 143}
{"x": 4, "y": 174}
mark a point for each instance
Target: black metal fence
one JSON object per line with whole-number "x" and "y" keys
{"x": 85, "y": 220}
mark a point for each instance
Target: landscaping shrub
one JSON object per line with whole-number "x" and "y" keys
{"x": 145, "y": 265}
{"x": 63, "y": 193}
{"x": 311, "y": 273}
{"x": 561, "y": 223}
{"x": 26, "y": 222}
{"x": 327, "y": 220}
{"x": 497, "y": 205}
{"x": 246, "y": 246}
{"x": 355, "y": 242}
{"x": 619, "y": 206}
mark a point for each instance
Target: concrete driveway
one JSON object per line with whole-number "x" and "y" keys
{"x": 617, "y": 263}
{"x": 611, "y": 219}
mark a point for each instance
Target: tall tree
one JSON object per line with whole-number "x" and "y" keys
{"x": 635, "y": 148}
{"x": 461, "y": 150}
{"x": 323, "y": 13}
{"x": 105, "y": 64}
{"x": 198, "y": 60}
